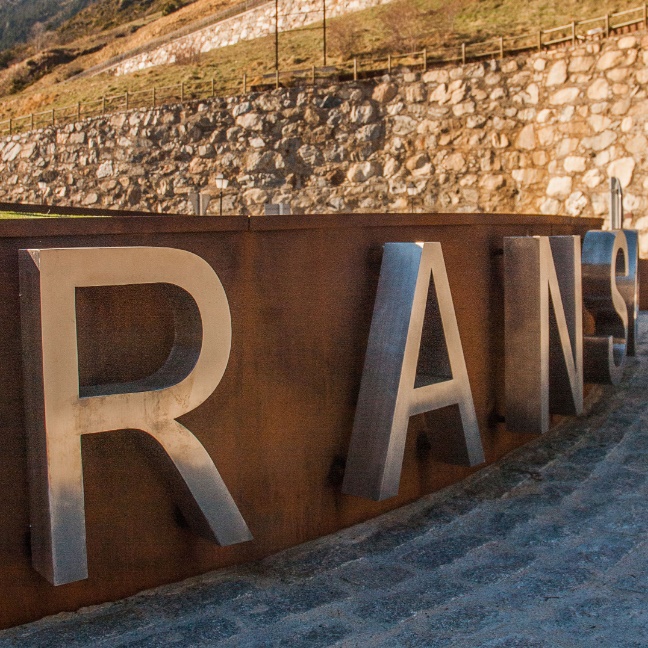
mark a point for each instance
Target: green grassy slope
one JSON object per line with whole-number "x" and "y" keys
{"x": 399, "y": 26}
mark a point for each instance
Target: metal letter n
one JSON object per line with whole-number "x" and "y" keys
{"x": 392, "y": 390}
{"x": 59, "y": 412}
{"x": 543, "y": 330}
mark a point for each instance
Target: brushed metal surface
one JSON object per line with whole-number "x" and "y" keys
{"x": 629, "y": 288}
{"x": 59, "y": 412}
{"x": 396, "y": 385}
{"x": 543, "y": 330}
{"x": 605, "y": 260}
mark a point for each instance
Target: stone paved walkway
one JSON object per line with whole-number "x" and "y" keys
{"x": 547, "y": 549}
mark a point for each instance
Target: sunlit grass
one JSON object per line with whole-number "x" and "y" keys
{"x": 11, "y": 215}
{"x": 441, "y": 22}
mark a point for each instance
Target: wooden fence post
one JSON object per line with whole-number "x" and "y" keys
{"x": 607, "y": 25}
{"x": 276, "y": 77}
{"x": 463, "y": 53}
{"x": 540, "y": 40}
{"x": 501, "y": 47}
{"x": 10, "y": 125}
{"x": 31, "y": 121}
{"x": 355, "y": 69}
{"x": 425, "y": 59}
{"x": 573, "y": 33}
{"x": 389, "y": 63}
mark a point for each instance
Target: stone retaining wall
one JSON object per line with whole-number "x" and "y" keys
{"x": 539, "y": 133}
{"x": 254, "y": 23}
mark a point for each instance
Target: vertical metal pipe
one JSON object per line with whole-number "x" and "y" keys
{"x": 616, "y": 204}
{"x": 277, "y": 40}
{"x": 324, "y": 31}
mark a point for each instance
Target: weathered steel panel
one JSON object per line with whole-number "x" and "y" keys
{"x": 301, "y": 292}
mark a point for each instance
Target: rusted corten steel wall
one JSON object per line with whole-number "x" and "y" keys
{"x": 643, "y": 284}
{"x": 301, "y": 292}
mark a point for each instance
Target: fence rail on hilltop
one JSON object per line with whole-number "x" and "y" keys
{"x": 361, "y": 67}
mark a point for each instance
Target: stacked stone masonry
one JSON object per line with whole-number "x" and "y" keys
{"x": 255, "y": 23}
{"x": 537, "y": 133}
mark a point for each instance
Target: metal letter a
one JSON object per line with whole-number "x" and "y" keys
{"x": 392, "y": 390}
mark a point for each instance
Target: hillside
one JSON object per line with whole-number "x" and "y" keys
{"x": 102, "y": 29}
{"x": 63, "y": 21}
{"x": 103, "y": 15}
{"x": 47, "y": 79}
{"x": 21, "y": 20}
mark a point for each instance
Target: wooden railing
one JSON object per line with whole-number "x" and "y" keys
{"x": 365, "y": 66}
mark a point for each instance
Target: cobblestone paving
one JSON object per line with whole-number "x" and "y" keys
{"x": 546, "y": 549}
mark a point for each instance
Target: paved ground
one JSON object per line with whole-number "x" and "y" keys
{"x": 545, "y": 550}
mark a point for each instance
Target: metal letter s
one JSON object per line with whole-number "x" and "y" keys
{"x": 543, "y": 330}
{"x": 629, "y": 288}
{"x": 58, "y": 412}
{"x": 391, "y": 391}
{"x": 605, "y": 261}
